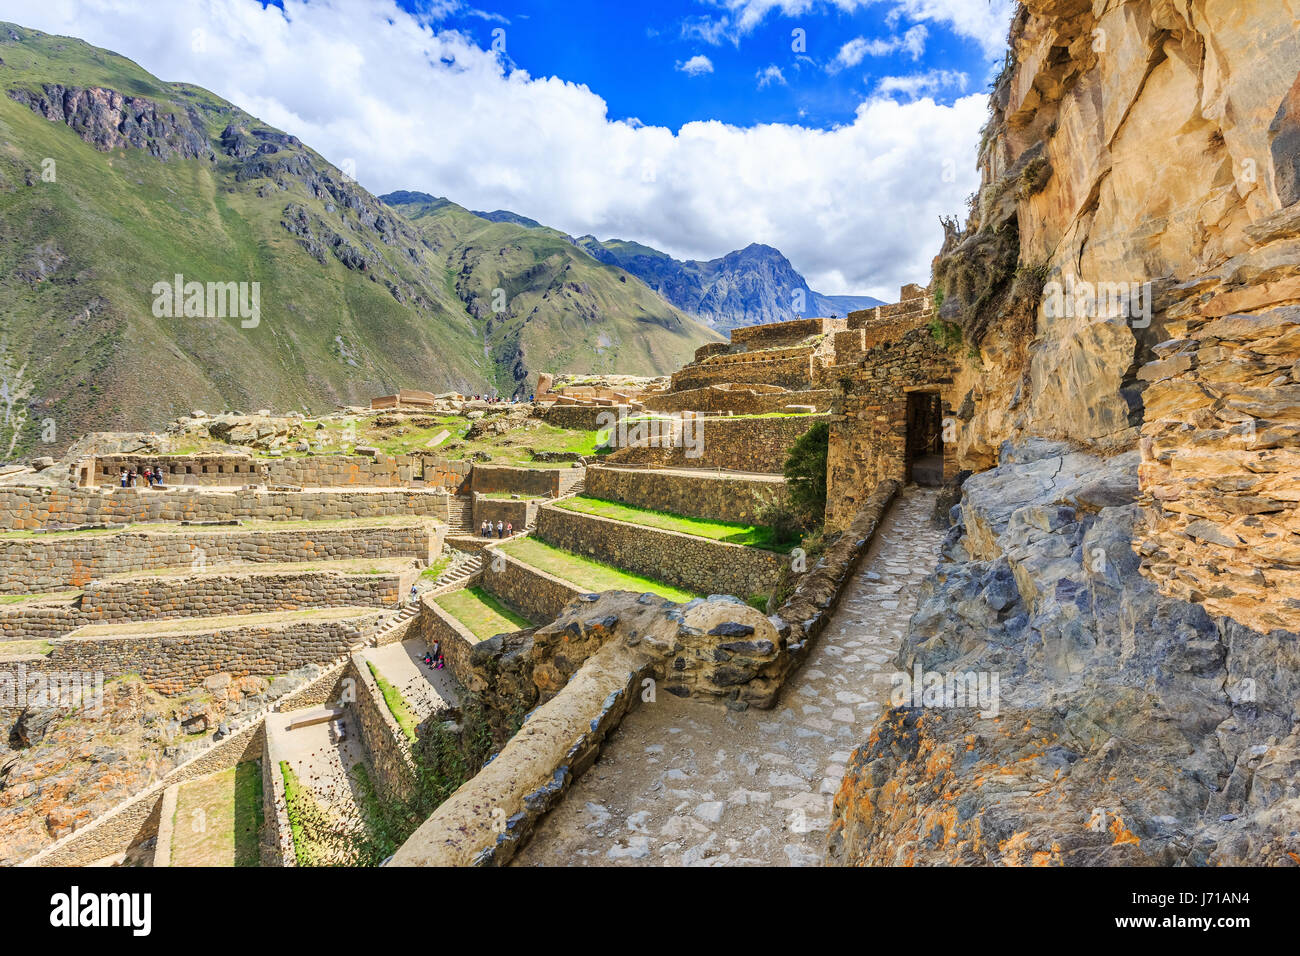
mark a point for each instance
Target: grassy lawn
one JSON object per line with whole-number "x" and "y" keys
{"x": 397, "y": 704}
{"x": 434, "y": 571}
{"x": 481, "y": 612}
{"x": 588, "y": 574}
{"x": 218, "y": 819}
{"x": 750, "y": 535}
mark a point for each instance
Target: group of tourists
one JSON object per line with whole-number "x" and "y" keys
{"x": 434, "y": 658}
{"x": 132, "y": 478}
{"x": 506, "y": 530}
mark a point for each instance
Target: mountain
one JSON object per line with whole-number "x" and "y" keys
{"x": 544, "y": 303}
{"x": 505, "y": 215}
{"x": 114, "y": 183}
{"x": 753, "y": 285}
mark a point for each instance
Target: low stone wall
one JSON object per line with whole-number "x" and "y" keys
{"x": 535, "y": 594}
{"x": 584, "y": 417}
{"x": 54, "y": 562}
{"x": 739, "y": 401}
{"x": 136, "y": 818}
{"x": 683, "y": 560}
{"x": 38, "y": 621}
{"x": 182, "y": 469}
{"x": 172, "y": 664}
{"x": 454, "y": 640}
{"x": 388, "y": 753}
{"x": 731, "y": 444}
{"x": 519, "y": 512}
{"x": 788, "y": 368}
{"x": 531, "y": 482}
{"x": 212, "y": 595}
{"x": 29, "y": 508}
{"x": 276, "y": 838}
{"x": 715, "y": 497}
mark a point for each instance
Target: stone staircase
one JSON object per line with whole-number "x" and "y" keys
{"x": 460, "y": 515}
{"x": 464, "y": 568}
{"x": 385, "y": 628}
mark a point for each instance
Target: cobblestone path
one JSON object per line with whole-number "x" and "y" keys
{"x": 685, "y": 783}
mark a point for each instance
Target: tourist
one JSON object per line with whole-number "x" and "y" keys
{"x": 510, "y": 530}
{"x": 158, "y": 475}
{"x": 501, "y": 530}
{"x": 441, "y": 663}
{"x": 123, "y": 478}
{"x": 415, "y": 594}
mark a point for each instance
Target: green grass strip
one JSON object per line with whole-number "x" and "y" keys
{"x": 754, "y": 536}
{"x": 481, "y": 612}
{"x": 588, "y": 574}
{"x": 397, "y": 704}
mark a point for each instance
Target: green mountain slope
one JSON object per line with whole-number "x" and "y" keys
{"x": 112, "y": 181}
{"x": 544, "y": 303}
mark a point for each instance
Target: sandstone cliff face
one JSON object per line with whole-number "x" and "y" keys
{"x": 1127, "y": 558}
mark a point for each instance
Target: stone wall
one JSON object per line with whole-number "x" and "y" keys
{"x": 210, "y": 595}
{"x": 730, "y": 444}
{"x": 532, "y": 482}
{"x": 38, "y": 620}
{"x": 174, "y": 663}
{"x": 715, "y": 497}
{"x": 59, "y": 561}
{"x": 868, "y": 441}
{"x": 388, "y": 753}
{"x": 789, "y": 368}
{"x": 1219, "y": 465}
{"x": 687, "y": 561}
{"x": 455, "y": 641}
{"x": 183, "y": 469}
{"x": 30, "y": 508}
{"x": 534, "y": 593}
{"x": 518, "y": 512}
{"x": 588, "y": 418}
{"x": 739, "y": 400}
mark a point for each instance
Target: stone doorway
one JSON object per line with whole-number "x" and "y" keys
{"x": 925, "y": 438}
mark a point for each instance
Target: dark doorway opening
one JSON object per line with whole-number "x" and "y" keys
{"x": 925, "y": 438}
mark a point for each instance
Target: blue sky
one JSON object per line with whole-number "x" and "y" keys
{"x": 633, "y": 56}
{"x": 692, "y": 126}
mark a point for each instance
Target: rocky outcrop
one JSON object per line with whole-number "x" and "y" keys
{"x": 107, "y": 119}
{"x": 1125, "y": 727}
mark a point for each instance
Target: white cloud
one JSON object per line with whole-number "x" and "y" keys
{"x": 857, "y": 49}
{"x": 920, "y": 84}
{"x": 856, "y": 208}
{"x": 696, "y": 65}
{"x": 770, "y": 75}
{"x": 984, "y": 21}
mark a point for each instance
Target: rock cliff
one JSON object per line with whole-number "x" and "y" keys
{"x": 1126, "y": 559}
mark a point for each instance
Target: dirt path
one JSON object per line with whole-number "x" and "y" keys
{"x": 683, "y": 783}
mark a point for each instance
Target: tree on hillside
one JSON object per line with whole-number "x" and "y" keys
{"x": 805, "y": 473}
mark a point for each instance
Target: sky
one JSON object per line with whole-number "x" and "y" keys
{"x": 838, "y": 131}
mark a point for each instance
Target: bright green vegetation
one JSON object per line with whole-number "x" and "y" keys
{"x": 588, "y": 574}
{"x": 397, "y": 704}
{"x": 507, "y": 495}
{"x": 218, "y": 818}
{"x": 481, "y": 612}
{"x": 303, "y": 811}
{"x": 750, "y": 535}
{"x": 353, "y": 291}
{"x": 434, "y": 571}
